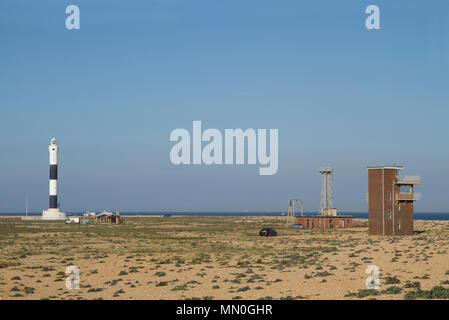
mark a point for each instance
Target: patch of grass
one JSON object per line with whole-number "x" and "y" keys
{"x": 246, "y": 288}
{"x": 28, "y": 290}
{"x": 48, "y": 269}
{"x": 392, "y": 290}
{"x": 117, "y": 293}
{"x": 323, "y": 274}
{"x": 437, "y": 292}
{"x": 414, "y": 285}
{"x": 6, "y": 264}
{"x": 113, "y": 282}
{"x": 363, "y": 293}
{"x": 133, "y": 269}
{"x": 180, "y": 287}
{"x": 160, "y": 274}
{"x": 162, "y": 284}
{"x": 392, "y": 280}
{"x": 18, "y": 295}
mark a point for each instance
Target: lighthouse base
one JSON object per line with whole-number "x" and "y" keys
{"x": 53, "y": 214}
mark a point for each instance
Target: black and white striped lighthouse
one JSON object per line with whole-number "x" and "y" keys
{"x": 53, "y": 212}
{"x": 53, "y": 149}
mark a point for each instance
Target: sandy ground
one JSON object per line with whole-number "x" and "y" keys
{"x": 217, "y": 258}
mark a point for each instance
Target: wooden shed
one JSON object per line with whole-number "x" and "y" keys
{"x": 108, "y": 218}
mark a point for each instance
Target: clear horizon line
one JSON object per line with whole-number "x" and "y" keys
{"x": 206, "y": 211}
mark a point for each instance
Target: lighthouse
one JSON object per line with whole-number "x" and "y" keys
{"x": 53, "y": 212}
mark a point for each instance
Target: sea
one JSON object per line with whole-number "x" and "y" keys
{"x": 359, "y": 215}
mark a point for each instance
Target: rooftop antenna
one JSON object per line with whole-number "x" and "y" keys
{"x": 326, "y": 190}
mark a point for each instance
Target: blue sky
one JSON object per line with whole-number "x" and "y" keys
{"x": 112, "y": 92}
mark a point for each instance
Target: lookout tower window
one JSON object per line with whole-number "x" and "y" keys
{"x": 406, "y": 188}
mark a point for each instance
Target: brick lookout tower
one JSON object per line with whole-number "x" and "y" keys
{"x": 391, "y": 200}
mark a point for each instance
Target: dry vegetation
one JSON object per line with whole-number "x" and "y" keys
{"x": 219, "y": 258}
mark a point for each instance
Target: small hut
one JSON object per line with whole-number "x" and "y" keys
{"x": 108, "y": 218}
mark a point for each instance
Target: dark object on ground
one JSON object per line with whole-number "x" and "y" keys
{"x": 267, "y": 232}
{"x": 298, "y": 226}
